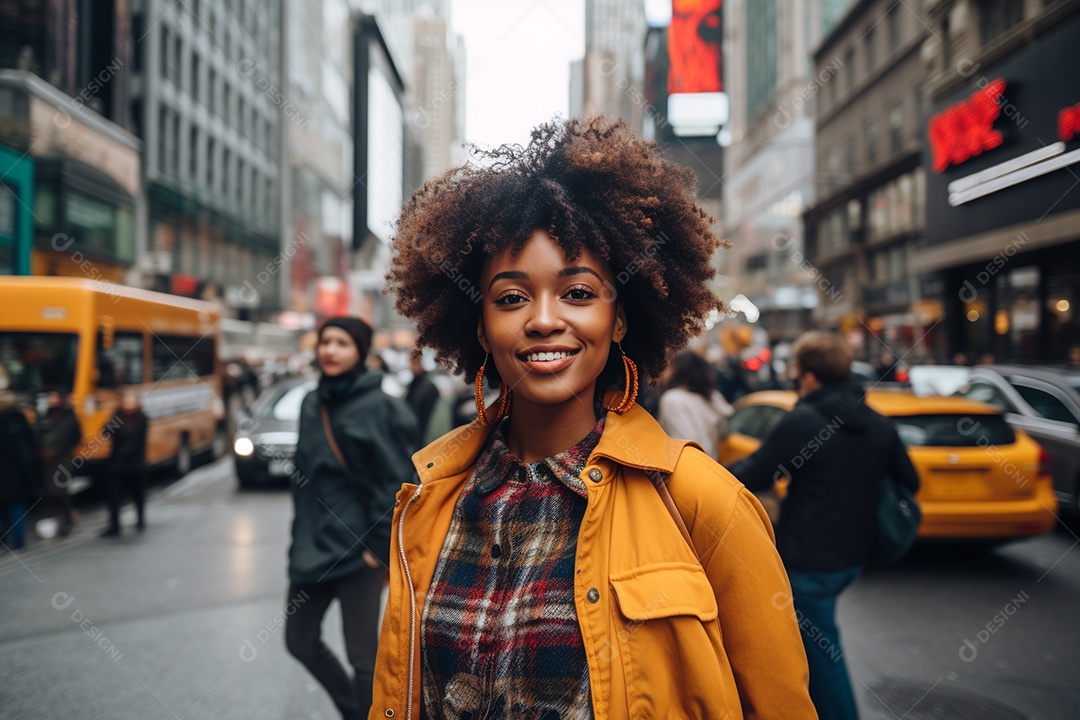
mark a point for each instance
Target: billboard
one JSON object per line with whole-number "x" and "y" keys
{"x": 696, "y": 103}
{"x": 694, "y": 40}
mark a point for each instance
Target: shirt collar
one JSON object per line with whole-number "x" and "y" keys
{"x": 497, "y": 464}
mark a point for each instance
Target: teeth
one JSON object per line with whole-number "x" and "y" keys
{"x": 547, "y": 356}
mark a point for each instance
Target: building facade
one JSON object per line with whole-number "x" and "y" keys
{"x": 768, "y": 177}
{"x": 868, "y": 216}
{"x": 209, "y": 104}
{"x": 1002, "y": 157}
{"x": 611, "y": 78}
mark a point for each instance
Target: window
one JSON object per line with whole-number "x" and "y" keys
{"x": 211, "y": 175}
{"x": 193, "y": 154}
{"x": 953, "y": 430}
{"x": 756, "y": 421}
{"x": 869, "y": 40}
{"x": 849, "y": 61}
{"x": 121, "y": 364}
{"x": 166, "y": 58}
{"x": 211, "y": 91}
{"x": 986, "y": 393}
{"x": 998, "y": 16}
{"x": 1045, "y": 404}
{"x": 176, "y": 357}
{"x": 892, "y": 26}
{"x": 871, "y": 143}
{"x": 896, "y": 127}
{"x": 35, "y": 361}
{"x": 196, "y": 71}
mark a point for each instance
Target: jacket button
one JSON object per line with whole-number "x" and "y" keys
{"x": 593, "y": 595}
{"x": 389, "y": 712}
{"x": 595, "y": 475}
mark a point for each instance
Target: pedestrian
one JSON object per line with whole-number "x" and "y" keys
{"x": 886, "y": 368}
{"x": 58, "y": 434}
{"x": 19, "y": 479}
{"x": 351, "y": 456}
{"x": 422, "y": 393}
{"x": 691, "y": 408}
{"x": 834, "y": 452}
{"x": 541, "y": 568}
{"x": 124, "y": 473}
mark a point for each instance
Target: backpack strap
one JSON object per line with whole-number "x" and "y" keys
{"x": 660, "y": 483}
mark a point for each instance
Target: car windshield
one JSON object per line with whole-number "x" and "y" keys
{"x": 31, "y": 362}
{"x": 953, "y": 430}
{"x": 283, "y": 403}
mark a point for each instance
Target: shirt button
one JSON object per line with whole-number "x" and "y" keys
{"x": 496, "y": 551}
{"x": 595, "y": 475}
{"x": 593, "y": 595}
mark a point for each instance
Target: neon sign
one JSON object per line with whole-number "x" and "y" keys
{"x": 966, "y": 129}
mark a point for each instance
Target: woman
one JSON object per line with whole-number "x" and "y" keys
{"x": 690, "y": 408}
{"x": 537, "y": 569}
{"x": 351, "y": 456}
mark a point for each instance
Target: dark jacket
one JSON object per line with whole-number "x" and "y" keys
{"x": 128, "y": 433}
{"x": 339, "y": 513}
{"x": 58, "y": 434}
{"x": 836, "y": 452}
{"x": 19, "y": 480}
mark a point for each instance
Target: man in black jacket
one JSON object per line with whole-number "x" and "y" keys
{"x": 834, "y": 452}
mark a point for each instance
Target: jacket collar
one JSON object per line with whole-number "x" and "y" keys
{"x": 633, "y": 439}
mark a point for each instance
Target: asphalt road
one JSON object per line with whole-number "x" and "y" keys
{"x": 184, "y": 622}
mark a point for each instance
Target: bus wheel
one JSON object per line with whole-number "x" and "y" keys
{"x": 183, "y": 457}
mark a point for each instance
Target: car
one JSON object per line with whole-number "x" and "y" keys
{"x": 1043, "y": 402}
{"x": 265, "y": 442}
{"x": 979, "y": 478}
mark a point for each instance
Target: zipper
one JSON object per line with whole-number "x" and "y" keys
{"x": 412, "y": 600}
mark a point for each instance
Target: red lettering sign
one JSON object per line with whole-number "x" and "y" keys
{"x": 1069, "y": 123}
{"x": 966, "y": 129}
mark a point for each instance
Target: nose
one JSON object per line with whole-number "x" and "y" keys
{"x": 546, "y": 316}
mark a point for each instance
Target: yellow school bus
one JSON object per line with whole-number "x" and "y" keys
{"x": 95, "y": 340}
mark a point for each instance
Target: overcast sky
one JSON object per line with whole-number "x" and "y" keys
{"x": 518, "y": 56}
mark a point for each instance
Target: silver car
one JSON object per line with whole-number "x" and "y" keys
{"x": 1044, "y": 403}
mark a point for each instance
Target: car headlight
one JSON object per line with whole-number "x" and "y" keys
{"x": 243, "y": 446}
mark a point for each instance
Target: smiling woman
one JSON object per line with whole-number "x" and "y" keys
{"x": 521, "y": 581}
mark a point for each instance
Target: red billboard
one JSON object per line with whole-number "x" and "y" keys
{"x": 694, "y": 40}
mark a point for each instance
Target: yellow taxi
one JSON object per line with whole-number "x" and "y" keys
{"x": 980, "y": 478}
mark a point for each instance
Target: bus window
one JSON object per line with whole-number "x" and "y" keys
{"x": 122, "y": 364}
{"x": 177, "y": 357}
{"x": 39, "y": 360}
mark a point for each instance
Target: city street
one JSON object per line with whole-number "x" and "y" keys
{"x": 184, "y": 621}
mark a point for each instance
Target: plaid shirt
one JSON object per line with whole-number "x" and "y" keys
{"x": 499, "y": 631}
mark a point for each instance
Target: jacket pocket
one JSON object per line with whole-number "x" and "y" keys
{"x": 670, "y": 650}
{"x": 664, "y": 590}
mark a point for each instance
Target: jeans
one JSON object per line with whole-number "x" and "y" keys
{"x": 359, "y": 595}
{"x": 119, "y": 485}
{"x": 814, "y": 595}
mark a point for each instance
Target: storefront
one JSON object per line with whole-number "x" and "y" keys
{"x": 1003, "y": 205}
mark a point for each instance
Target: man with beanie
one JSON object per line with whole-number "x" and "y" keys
{"x": 353, "y": 453}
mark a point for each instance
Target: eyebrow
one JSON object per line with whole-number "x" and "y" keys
{"x": 565, "y": 272}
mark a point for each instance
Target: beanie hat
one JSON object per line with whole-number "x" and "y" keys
{"x": 358, "y": 330}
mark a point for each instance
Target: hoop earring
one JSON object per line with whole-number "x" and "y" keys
{"x": 631, "y": 389}
{"x": 504, "y": 398}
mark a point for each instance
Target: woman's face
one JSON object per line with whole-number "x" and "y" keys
{"x": 336, "y": 351}
{"x": 549, "y": 323}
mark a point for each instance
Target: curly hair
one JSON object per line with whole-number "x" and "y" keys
{"x": 590, "y": 183}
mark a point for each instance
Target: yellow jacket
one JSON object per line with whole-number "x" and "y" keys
{"x": 666, "y": 635}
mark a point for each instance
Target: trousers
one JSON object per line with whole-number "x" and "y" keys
{"x": 358, "y": 595}
{"x": 814, "y": 595}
